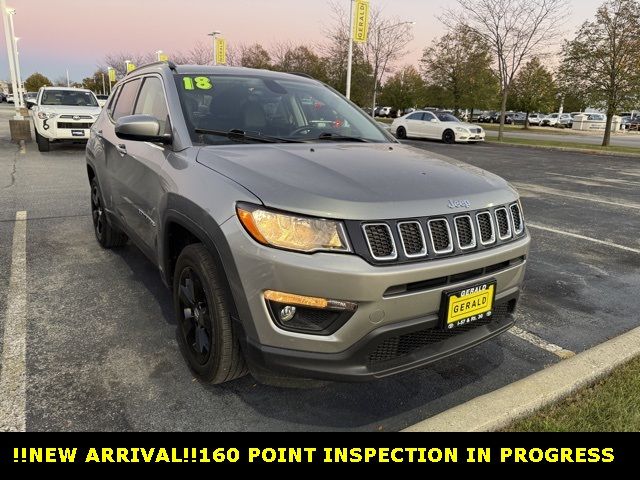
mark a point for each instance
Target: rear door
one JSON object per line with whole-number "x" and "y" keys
{"x": 414, "y": 127}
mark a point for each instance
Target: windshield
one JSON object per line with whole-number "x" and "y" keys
{"x": 446, "y": 117}
{"x": 283, "y": 109}
{"x": 76, "y": 98}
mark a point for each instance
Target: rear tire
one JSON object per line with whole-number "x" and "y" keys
{"x": 107, "y": 235}
{"x": 202, "y": 303}
{"x": 448, "y": 137}
{"x": 401, "y": 132}
{"x": 43, "y": 143}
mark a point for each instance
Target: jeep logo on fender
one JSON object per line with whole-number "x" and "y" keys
{"x": 459, "y": 204}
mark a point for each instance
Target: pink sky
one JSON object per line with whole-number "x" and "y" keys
{"x": 76, "y": 34}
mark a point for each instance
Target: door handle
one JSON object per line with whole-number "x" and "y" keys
{"x": 99, "y": 133}
{"x": 122, "y": 149}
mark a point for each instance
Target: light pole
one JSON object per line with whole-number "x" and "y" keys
{"x": 376, "y": 72}
{"x": 350, "y": 55}
{"x": 213, "y": 36}
{"x": 10, "y": 55}
{"x": 18, "y": 102}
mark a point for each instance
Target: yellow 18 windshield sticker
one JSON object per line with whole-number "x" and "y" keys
{"x": 201, "y": 83}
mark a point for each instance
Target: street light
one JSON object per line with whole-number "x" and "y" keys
{"x": 213, "y": 36}
{"x": 11, "y": 37}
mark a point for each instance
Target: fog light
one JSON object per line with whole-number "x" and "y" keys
{"x": 287, "y": 313}
{"x": 312, "y": 315}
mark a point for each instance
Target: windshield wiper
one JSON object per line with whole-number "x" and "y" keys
{"x": 334, "y": 137}
{"x": 237, "y": 134}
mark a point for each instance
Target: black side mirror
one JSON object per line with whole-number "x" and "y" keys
{"x": 141, "y": 128}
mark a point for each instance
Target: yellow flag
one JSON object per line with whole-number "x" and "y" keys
{"x": 112, "y": 74}
{"x": 361, "y": 21}
{"x": 163, "y": 57}
{"x": 130, "y": 67}
{"x": 221, "y": 51}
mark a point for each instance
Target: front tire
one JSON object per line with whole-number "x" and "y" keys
{"x": 202, "y": 305}
{"x": 107, "y": 235}
{"x": 401, "y": 133}
{"x": 448, "y": 137}
{"x": 43, "y": 143}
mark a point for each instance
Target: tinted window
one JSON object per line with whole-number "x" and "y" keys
{"x": 447, "y": 117}
{"x": 76, "y": 98}
{"x": 428, "y": 116}
{"x": 124, "y": 105}
{"x": 151, "y": 101}
{"x": 415, "y": 116}
{"x": 112, "y": 102}
{"x": 289, "y": 108}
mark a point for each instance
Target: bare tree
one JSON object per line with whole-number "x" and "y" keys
{"x": 516, "y": 30}
{"x": 200, "y": 54}
{"x": 118, "y": 61}
{"x": 386, "y": 43}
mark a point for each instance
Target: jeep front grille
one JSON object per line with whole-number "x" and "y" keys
{"x": 485, "y": 227}
{"x": 79, "y": 117}
{"x": 380, "y": 241}
{"x": 504, "y": 227}
{"x": 431, "y": 238}
{"x": 440, "y": 234}
{"x": 412, "y": 238}
{"x": 464, "y": 232}
{"x": 516, "y": 217}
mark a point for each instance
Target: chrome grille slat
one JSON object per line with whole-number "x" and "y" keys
{"x": 503, "y": 224}
{"x": 516, "y": 218}
{"x": 412, "y": 237}
{"x": 439, "y": 230}
{"x": 464, "y": 232}
{"x": 382, "y": 246}
{"x": 484, "y": 221}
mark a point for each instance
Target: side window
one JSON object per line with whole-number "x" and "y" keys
{"x": 124, "y": 104}
{"x": 112, "y": 101}
{"x": 415, "y": 116}
{"x": 428, "y": 116}
{"x": 151, "y": 101}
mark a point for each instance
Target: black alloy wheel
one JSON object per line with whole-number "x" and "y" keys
{"x": 195, "y": 319}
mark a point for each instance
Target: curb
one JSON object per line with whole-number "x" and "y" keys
{"x": 500, "y": 408}
{"x": 587, "y": 151}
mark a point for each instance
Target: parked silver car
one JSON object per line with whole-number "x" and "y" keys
{"x": 298, "y": 238}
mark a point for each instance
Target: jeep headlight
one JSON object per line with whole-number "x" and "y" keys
{"x": 293, "y": 232}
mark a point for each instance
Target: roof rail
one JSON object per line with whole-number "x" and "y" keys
{"x": 171, "y": 65}
{"x": 301, "y": 74}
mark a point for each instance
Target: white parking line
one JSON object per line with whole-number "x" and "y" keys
{"x": 582, "y": 237}
{"x": 539, "y": 342}
{"x": 13, "y": 374}
{"x": 615, "y": 181}
{"x": 575, "y": 196}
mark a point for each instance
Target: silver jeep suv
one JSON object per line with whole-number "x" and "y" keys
{"x": 298, "y": 237}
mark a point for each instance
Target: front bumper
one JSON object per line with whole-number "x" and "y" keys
{"x": 380, "y": 311}
{"x": 385, "y": 351}
{"x": 473, "y": 137}
{"x": 77, "y": 130}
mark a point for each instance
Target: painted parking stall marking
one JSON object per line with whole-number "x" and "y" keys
{"x": 13, "y": 373}
{"x": 541, "y": 343}
{"x": 582, "y": 237}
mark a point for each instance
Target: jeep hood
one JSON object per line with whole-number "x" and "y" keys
{"x": 355, "y": 181}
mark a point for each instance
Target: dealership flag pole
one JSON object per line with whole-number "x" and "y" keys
{"x": 350, "y": 56}
{"x": 11, "y": 56}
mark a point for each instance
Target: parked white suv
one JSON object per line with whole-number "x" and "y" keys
{"x": 63, "y": 114}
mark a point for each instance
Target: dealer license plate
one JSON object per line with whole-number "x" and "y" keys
{"x": 468, "y": 305}
{"x": 77, "y": 133}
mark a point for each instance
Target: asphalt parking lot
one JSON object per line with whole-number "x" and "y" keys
{"x": 101, "y": 349}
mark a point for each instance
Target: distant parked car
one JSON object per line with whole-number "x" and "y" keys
{"x": 3, "y": 97}
{"x": 384, "y": 112}
{"x": 519, "y": 118}
{"x": 102, "y": 99}
{"x": 536, "y": 119}
{"x": 10, "y": 98}
{"x": 437, "y": 125}
{"x": 30, "y": 99}
{"x": 550, "y": 120}
{"x": 565, "y": 120}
